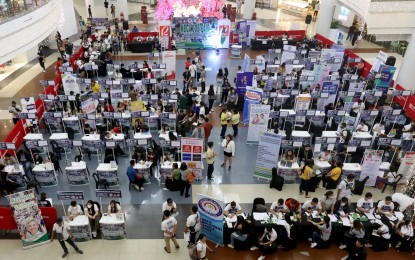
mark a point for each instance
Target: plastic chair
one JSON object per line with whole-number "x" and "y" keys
{"x": 32, "y": 184}
{"x": 393, "y": 184}
{"x": 100, "y": 182}
{"x": 57, "y": 149}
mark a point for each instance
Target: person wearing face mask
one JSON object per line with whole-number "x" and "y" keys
{"x": 404, "y": 234}
{"x": 327, "y": 202}
{"x": 93, "y": 213}
{"x": 341, "y": 208}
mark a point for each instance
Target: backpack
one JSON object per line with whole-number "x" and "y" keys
{"x": 193, "y": 252}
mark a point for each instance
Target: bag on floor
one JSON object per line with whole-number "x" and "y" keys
{"x": 277, "y": 181}
{"x": 193, "y": 252}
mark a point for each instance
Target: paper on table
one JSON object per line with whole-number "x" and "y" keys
{"x": 333, "y": 218}
{"x": 346, "y": 222}
{"x": 392, "y": 217}
{"x": 330, "y": 147}
{"x": 370, "y": 216}
{"x": 315, "y": 214}
{"x": 399, "y": 215}
{"x": 186, "y": 236}
{"x": 233, "y": 219}
{"x": 260, "y": 215}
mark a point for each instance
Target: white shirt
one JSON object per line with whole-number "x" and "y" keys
{"x": 307, "y": 205}
{"x": 230, "y": 148}
{"x": 391, "y": 176}
{"x": 276, "y": 207}
{"x": 362, "y": 128}
{"x": 72, "y": 211}
{"x": 378, "y": 128}
{"x": 407, "y": 230}
{"x": 193, "y": 221}
{"x": 168, "y": 225}
{"x": 386, "y": 208}
{"x": 62, "y": 230}
{"x": 229, "y": 209}
{"x": 342, "y": 133}
{"x": 13, "y": 110}
{"x": 322, "y": 156}
{"x": 366, "y": 204}
{"x": 345, "y": 188}
{"x": 407, "y": 135}
{"x": 95, "y": 208}
{"x": 116, "y": 206}
{"x": 167, "y": 207}
{"x": 317, "y": 7}
{"x": 273, "y": 236}
{"x": 384, "y": 232}
{"x": 201, "y": 247}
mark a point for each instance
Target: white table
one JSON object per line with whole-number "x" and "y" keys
{"x": 105, "y": 171}
{"x": 362, "y": 135}
{"x": 289, "y": 173}
{"x": 291, "y": 112}
{"x": 77, "y": 173}
{"x": 351, "y": 168}
{"x": 112, "y": 226}
{"x": 80, "y": 228}
{"x": 303, "y": 136}
{"x": 33, "y": 137}
{"x": 16, "y": 175}
{"x": 330, "y": 134}
{"x": 166, "y": 136}
{"x": 143, "y": 136}
{"x": 59, "y": 136}
{"x": 166, "y": 168}
{"x": 143, "y": 168}
{"x": 90, "y": 137}
{"x": 45, "y": 174}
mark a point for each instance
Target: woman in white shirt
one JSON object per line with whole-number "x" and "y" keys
{"x": 362, "y": 127}
{"x": 405, "y": 233}
{"x": 379, "y": 129}
{"x": 94, "y": 215}
{"x": 380, "y": 241}
{"x": 118, "y": 75}
{"x": 74, "y": 210}
{"x": 228, "y": 150}
{"x": 202, "y": 246}
{"x": 114, "y": 207}
{"x": 325, "y": 155}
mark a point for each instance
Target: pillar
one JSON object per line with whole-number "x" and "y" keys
{"x": 69, "y": 25}
{"x": 248, "y": 9}
{"x": 122, "y": 7}
{"x": 406, "y": 70}
{"x": 325, "y": 16}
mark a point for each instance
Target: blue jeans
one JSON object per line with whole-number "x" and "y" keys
{"x": 238, "y": 237}
{"x": 315, "y": 237}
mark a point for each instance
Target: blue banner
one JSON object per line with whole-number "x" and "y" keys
{"x": 386, "y": 75}
{"x": 252, "y": 96}
{"x": 243, "y": 80}
{"x": 211, "y": 215}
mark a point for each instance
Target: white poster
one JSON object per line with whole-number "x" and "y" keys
{"x": 224, "y": 29}
{"x": 302, "y": 103}
{"x": 407, "y": 161}
{"x": 371, "y": 165}
{"x": 258, "y": 122}
{"x": 169, "y": 58}
{"x": 288, "y": 53}
{"x": 268, "y": 153}
{"x": 332, "y": 58}
{"x": 164, "y": 27}
{"x": 69, "y": 84}
{"x": 28, "y": 104}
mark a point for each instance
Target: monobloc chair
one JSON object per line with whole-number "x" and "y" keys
{"x": 100, "y": 182}
{"x": 393, "y": 184}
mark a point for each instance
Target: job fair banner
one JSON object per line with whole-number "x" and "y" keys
{"x": 380, "y": 59}
{"x": 224, "y": 32}
{"x": 331, "y": 88}
{"x": 28, "y": 218}
{"x": 69, "y": 83}
{"x": 243, "y": 80}
{"x": 195, "y": 32}
{"x": 77, "y": 176}
{"x": 45, "y": 178}
{"x": 406, "y": 163}
{"x": 258, "y": 122}
{"x": 384, "y": 80}
{"x": 99, "y": 23}
{"x": 211, "y": 216}
{"x": 192, "y": 149}
{"x": 164, "y": 33}
{"x": 371, "y": 165}
{"x": 169, "y": 58}
{"x": 252, "y": 96}
{"x": 268, "y": 153}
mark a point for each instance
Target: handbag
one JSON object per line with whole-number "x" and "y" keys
{"x": 192, "y": 228}
{"x": 190, "y": 177}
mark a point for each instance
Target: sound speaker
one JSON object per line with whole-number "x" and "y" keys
{"x": 390, "y": 61}
{"x": 308, "y": 19}
{"x": 125, "y": 25}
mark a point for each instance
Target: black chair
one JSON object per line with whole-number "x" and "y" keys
{"x": 85, "y": 151}
{"x": 360, "y": 186}
{"x": 70, "y": 132}
{"x": 32, "y": 184}
{"x": 259, "y": 205}
{"x": 78, "y": 158}
{"x": 100, "y": 182}
{"x": 393, "y": 184}
{"x": 57, "y": 149}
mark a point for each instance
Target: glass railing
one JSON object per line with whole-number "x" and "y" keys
{"x": 11, "y": 9}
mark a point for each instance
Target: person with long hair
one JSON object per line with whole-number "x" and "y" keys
{"x": 381, "y": 241}
{"x": 350, "y": 237}
{"x": 219, "y": 80}
{"x": 289, "y": 156}
{"x": 223, "y": 122}
{"x": 235, "y": 122}
{"x": 325, "y": 231}
{"x": 404, "y": 234}
{"x": 305, "y": 174}
{"x": 185, "y": 185}
{"x": 242, "y": 231}
{"x": 225, "y": 91}
{"x": 327, "y": 202}
{"x": 94, "y": 215}
{"x": 228, "y": 151}
{"x": 114, "y": 207}
{"x": 333, "y": 175}
{"x": 211, "y": 97}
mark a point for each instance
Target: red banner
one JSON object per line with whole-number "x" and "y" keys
{"x": 408, "y": 103}
{"x": 6, "y": 219}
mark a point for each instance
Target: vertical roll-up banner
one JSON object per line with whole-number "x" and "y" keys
{"x": 164, "y": 33}
{"x": 258, "y": 122}
{"x": 169, "y": 58}
{"x": 224, "y": 29}
{"x": 370, "y": 166}
{"x": 211, "y": 215}
{"x": 28, "y": 218}
{"x": 268, "y": 155}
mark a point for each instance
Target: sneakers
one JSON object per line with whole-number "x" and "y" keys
{"x": 369, "y": 245}
{"x": 300, "y": 193}
{"x": 137, "y": 187}
{"x": 80, "y": 251}
{"x": 230, "y": 246}
{"x": 313, "y": 245}
{"x": 220, "y": 104}
{"x": 398, "y": 245}
{"x": 65, "y": 254}
{"x": 165, "y": 249}
{"x": 345, "y": 258}
{"x": 308, "y": 196}
{"x": 342, "y": 247}
{"x": 254, "y": 248}
{"x": 94, "y": 234}
{"x": 212, "y": 110}
{"x": 222, "y": 165}
{"x": 177, "y": 247}
{"x": 261, "y": 257}
{"x": 229, "y": 168}
{"x": 165, "y": 189}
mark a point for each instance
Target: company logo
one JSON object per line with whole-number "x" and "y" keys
{"x": 210, "y": 207}
{"x": 253, "y": 95}
{"x": 164, "y": 31}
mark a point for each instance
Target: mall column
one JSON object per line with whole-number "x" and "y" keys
{"x": 122, "y": 8}
{"x": 324, "y": 18}
{"x": 69, "y": 26}
{"x": 249, "y": 7}
{"x": 406, "y": 70}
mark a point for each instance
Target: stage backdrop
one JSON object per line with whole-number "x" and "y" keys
{"x": 195, "y": 32}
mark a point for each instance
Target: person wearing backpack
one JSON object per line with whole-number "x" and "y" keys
{"x": 198, "y": 251}
{"x": 192, "y": 225}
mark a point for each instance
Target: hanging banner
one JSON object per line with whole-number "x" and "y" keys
{"x": 28, "y": 218}
{"x": 224, "y": 29}
{"x": 77, "y": 176}
{"x": 70, "y": 83}
{"x": 241, "y": 31}
{"x": 243, "y": 80}
{"x": 370, "y": 166}
{"x": 192, "y": 149}
{"x": 258, "y": 122}
{"x": 169, "y": 58}
{"x": 211, "y": 215}
{"x": 252, "y": 96}
{"x": 406, "y": 163}
{"x": 386, "y": 76}
{"x": 380, "y": 59}
{"x": 250, "y": 30}
{"x": 268, "y": 154}
{"x": 195, "y": 32}
{"x": 164, "y": 33}
{"x": 99, "y": 23}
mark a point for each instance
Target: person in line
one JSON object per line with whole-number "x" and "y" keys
{"x": 173, "y": 181}
{"x": 341, "y": 208}
{"x": 63, "y": 234}
{"x": 228, "y": 151}
{"x": 305, "y": 174}
{"x": 356, "y": 231}
{"x": 219, "y": 80}
{"x": 201, "y": 247}
{"x": 386, "y": 206}
{"x": 210, "y": 159}
{"x": 223, "y": 122}
{"x": 235, "y": 122}
{"x": 169, "y": 228}
{"x": 232, "y": 100}
{"x": 211, "y": 98}
{"x": 193, "y": 225}
{"x": 137, "y": 179}
{"x": 267, "y": 242}
{"x": 199, "y": 132}
{"x": 289, "y": 156}
{"x": 93, "y": 213}
{"x": 325, "y": 231}
{"x": 311, "y": 206}
{"x": 381, "y": 241}
{"x": 327, "y": 202}
{"x": 365, "y": 205}
{"x": 358, "y": 251}
{"x": 242, "y": 231}
{"x": 43, "y": 202}
{"x": 232, "y": 209}
{"x": 171, "y": 206}
{"x": 185, "y": 182}
{"x": 346, "y": 187}
{"x": 278, "y": 207}
{"x": 333, "y": 175}
{"x": 114, "y": 207}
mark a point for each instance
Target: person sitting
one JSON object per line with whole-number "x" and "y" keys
{"x": 325, "y": 228}
{"x": 153, "y": 157}
{"x": 37, "y": 159}
{"x": 289, "y": 156}
{"x": 332, "y": 177}
{"x": 289, "y": 241}
{"x": 380, "y": 242}
{"x": 232, "y": 209}
{"x": 171, "y": 206}
{"x": 312, "y": 206}
{"x": 8, "y": 160}
{"x": 117, "y": 150}
{"x": 328, "y": 202}
{"x": 139, "y": 155}
{"x": 365, "y": 205}
{"x": 388, "y": 178}
{"x": 242, "y": 231}
{"x": 138, "y": 126}
{"x": 278, "y": 207}
{"x": 305, "y": 153}
{"x": 93, "y": 213}
{"x": 386, "y": 206}
{"x": 137, "y": 179}
{"x": 356, "y": 231}
{"x": 6, "y": 184}
{"x": 267, "y": 242}
{"x": 88, "y": 129}
{"x": 135, "y": 29}
{"x": 165, "y": 129}
{"x": 43, "y": 202}
{"x": 346, "y": 187}
{"x": 293, "y": 205}
{"x": 362, "y": 127}
{"x": 173, "y": 181}
{"x": 114, "y": 207}
{"x": 74, "y": 210}
{"x": 404, "y": 234}
{"x": 325, "y": 156}
{"x": 357, "y": 251}
{"x": 341, "y": 208}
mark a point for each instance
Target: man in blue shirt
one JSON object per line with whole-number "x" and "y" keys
{"x": 135, "y": 178}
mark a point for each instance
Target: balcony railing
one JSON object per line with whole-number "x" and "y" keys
{"x": 11, "y": 9}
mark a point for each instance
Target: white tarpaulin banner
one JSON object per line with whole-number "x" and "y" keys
{"x": 224, "y": 32}
{"x": 169, "y": 58}
{"x": 70, "y": 84}
{"x": 268, "y": 153}
{"x": 258, "y": 122}
{"x": 371, "y": 165}
{"x": 164, "y": 27}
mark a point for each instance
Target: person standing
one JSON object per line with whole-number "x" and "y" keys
{"x": 185, "y": 184}
{"x": 210, "y": 159}
{"x": 81, "y": 23}
{"x": 211, "y": 98}
{"x": 201, "y": 247}
{"x": 193, "y": 71}
{"x": 169, "y": 228}
{"x": 350, "y": 32}
{"x": 356, "y": 35}
{"x": 316, "y": 9}
{"x": 192, "y": 225}
{"x": 89, "y": 11}
{"x": 199, "y": 132}
{"x": 186, "y": 79}
{"x": 203, "y": 79}
{"x": 113, "y": 11}
{"x": 238, "y": 6}
{"x": 235, "y": 122}
{"x": 14, "y": 109}
{"x": 305, "y": 174}
{"x": 42, "y": 62}
{"x": 223, "y": 122}
{"x": 106, "y": 7}
{"x": 228, "y": 151}
{"x": 63, "y": 233}
{"x": 225, "y": 91}
{"x": 208, "y": 129}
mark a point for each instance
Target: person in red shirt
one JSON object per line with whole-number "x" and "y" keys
{"x": 108, "y": 108}
{"x": 149, "y": 74}
{"x": 293, "y": 205}
{"x": 145, "y": 65}
{"x": 58, "y": 64}
{"x": 208, "y": 129}
{"x": 188, "y": 63}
